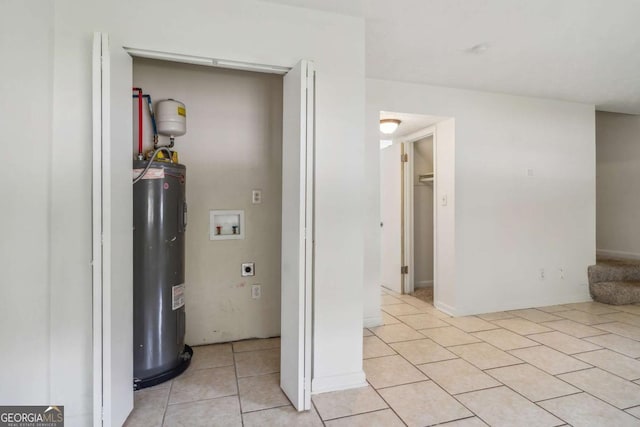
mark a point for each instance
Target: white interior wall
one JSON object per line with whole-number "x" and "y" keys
{"x": 445, "y": 146}
{"x": 422, "y": 213}
{"x": 233, "y": 145}
{"x": 508, "y": 225}
{"x": 250, "y": 31}
{"x": 25, "y": 117}
{"x": 618, "y": 193}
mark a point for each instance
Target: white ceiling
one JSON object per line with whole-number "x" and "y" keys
{"x": 575, "y": 50}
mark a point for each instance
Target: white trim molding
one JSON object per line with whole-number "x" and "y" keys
{"x": 451, "y": 311}
{"x": 617, "y": 254}
{"x": 339, "y": 382}
{"x": 372, "y": 321}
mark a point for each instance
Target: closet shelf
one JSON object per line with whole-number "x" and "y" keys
{"x": 427, "y": 178}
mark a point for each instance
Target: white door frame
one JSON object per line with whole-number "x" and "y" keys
{"x": 96, "y": 225}
{"x": 101, "y": 210}
{"x": 408, "y": 203}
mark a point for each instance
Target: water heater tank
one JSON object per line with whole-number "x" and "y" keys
{"x": 171, "y": 117}
{"x": 159, "y": 226}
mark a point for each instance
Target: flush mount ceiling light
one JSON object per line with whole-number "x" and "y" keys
{"x": 389, "y": 126}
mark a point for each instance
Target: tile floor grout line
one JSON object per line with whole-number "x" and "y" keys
{"x": 380, "y": 357}
{"x": 583, "y": 352}
{"x": 603, "y": 401}
{"x": 266, "y": 409}
{"x": 401, "y": 384}
{"x": 612, "y": 350}
{"x": 166, "y": 405}
{"x": 480, "y": 389}
{"x": 457, "y": 419}
{"x": 605, "y": 348}
{"x": 633, "y": 415}
{"x": 395, "y": 342}
{"x": 313, "y": 405}
{"x": 599, "y": 398}
{"x": 235, "y": 369}
{"x": 528, "y": 400}
{"x": 560, "y": 397}
{"x": 570, "y": 372}
{"x": 408, "y": 361}
{"x": 473, "y": 412}
{"x": 357, "y": 414}
{"x": 604, "y": 370}
{"x": 202, "y": 400}
{"x": 387, "y": 403}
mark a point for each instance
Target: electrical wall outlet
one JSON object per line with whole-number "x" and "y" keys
{"x": 542, "y": 274}
{"x": 256, "y": 291}
{"x": 256, "y": 197}
{"x": 248, "y": 269}
{"x": 561, "y": 273}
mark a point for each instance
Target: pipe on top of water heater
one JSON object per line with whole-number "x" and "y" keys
{"x": 152, "y": 115}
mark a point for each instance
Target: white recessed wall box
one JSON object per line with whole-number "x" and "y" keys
{"x": 226, "y": 225}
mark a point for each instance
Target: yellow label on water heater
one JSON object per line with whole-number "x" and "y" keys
{"x": 182, "y": 111}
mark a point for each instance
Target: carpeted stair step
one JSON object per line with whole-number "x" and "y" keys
{"x": 615, "y": 282}
{"x": 615, "y": 293}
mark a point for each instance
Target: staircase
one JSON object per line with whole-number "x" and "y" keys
{"x": 615, "y": 281}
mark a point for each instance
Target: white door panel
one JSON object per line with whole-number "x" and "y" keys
{"x": 297, "y": 233}
{"x": 391, "y": 217}
{"x": 112, "y": 234}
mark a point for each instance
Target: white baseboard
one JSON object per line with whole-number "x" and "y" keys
{"x": 617, "y": 254}
{"x": 451, "y": 311}
{"x": 338, "y": 382}
{"x": 580, "y": 295}
{"x": 423, "y": 284}
{"x": 372, "y": 321}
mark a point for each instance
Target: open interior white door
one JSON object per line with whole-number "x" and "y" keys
{"x": 297, "y": 233}
{"x": 391, "y": 217}
{"x": 111, "y": 234}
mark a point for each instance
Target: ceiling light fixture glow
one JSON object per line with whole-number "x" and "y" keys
{"x": 389, "y": 126}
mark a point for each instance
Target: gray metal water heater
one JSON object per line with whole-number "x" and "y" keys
{"x": 159, "y": 225}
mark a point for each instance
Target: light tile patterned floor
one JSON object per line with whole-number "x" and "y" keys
{"x": 575, "y": 364}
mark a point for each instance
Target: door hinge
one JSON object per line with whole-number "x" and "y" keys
{"x": 404, "y": 269}
{"x": 404, "y": 157}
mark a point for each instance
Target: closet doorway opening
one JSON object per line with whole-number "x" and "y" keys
{"x": 411, "y": 201}
{"x": 281, "y": 115}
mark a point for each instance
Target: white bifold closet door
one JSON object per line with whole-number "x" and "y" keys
{"x": 112, "y": 234}
{"x": 297, "y": 233}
